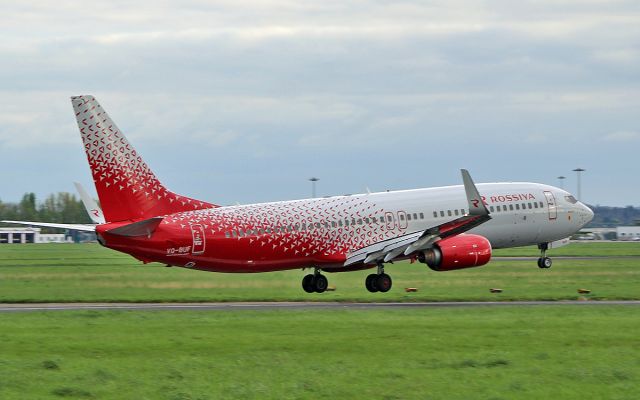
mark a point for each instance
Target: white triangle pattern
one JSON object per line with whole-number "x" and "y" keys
{"x": 262, "y": 221}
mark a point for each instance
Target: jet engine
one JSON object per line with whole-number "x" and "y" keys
{"x": 457, "y": 252}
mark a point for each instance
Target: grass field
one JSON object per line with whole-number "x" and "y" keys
{"x": 566, "y": 352}
{"x": 88, "y": 272}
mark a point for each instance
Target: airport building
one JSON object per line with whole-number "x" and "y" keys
{"x": 628, "y": 233}
{"x": 31, "y": 235}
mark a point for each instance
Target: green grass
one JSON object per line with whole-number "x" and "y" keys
{"x": 85, "y": 273}
{"x": 567, "y": 352}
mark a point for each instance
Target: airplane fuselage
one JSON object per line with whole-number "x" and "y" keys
{"x": 322, "y": 232}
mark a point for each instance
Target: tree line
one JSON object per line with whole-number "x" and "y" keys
{"x": 60, "y": 207}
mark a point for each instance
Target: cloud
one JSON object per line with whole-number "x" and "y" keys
{"x": 622, "y": 137}
{"x": 308, "y": 86}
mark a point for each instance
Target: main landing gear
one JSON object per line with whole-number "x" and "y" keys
{"x": 379, "y": 282}
{"x": 315, "y": 283}
{"x": 544, "y": 261}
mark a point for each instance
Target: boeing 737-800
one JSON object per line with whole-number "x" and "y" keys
{"x": 447, "y": 228}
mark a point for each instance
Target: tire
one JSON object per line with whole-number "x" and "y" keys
{"x": 546, "y": 262}
{"x": 308, "y": 284}
{"x": 540, "y": 263}
{"x": 383, "y": 283}
{"x": 321, "y": 283}
{"x": 370, "y": 283}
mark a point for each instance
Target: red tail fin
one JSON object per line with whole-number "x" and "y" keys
{"x": 127, "y": 188}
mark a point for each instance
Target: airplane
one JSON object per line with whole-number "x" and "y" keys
{"x": 447, "y": 228}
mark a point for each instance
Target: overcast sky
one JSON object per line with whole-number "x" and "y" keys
{"x": 243, "y": 101}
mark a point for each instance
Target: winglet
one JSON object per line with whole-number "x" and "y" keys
{"x": 476, "y": 205}
{"x": 94, "y": 211}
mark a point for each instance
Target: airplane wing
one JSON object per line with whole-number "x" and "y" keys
{"x": 75, "y": 227}
{"x": 387, "y": 250}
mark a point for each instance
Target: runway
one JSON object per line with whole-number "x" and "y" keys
{"x": 291, "y": 305}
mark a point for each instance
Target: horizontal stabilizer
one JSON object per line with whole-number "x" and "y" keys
{"x": 73, "y": 227}
{"x": 140, "y": 228}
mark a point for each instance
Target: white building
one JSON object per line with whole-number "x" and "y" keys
{"x": 628, "y": 232}
{"x": 30, "y": 235}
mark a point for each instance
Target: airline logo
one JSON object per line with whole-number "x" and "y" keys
{"x": 197, "y": 232}
{"x": 507, "y": 198}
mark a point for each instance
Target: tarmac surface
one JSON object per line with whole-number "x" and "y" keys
{"x": 22, "y": 307}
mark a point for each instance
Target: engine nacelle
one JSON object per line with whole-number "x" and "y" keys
{"x": 457, "y": 252}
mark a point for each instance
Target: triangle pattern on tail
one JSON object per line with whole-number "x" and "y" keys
{"x": 127, "y": 188}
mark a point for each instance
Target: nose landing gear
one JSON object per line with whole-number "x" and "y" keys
{"x": 379, "y": 282}
{"x": 544, "y": 261}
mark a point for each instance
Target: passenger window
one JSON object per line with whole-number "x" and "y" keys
{"x": 401, "y": 217}
{"x": 462, "y": 211}
{"x": 541, "y": 205}
{"x": 421, "y": 215}
{"x": 504, "y": 207}
{"x": 535, "y": 204}
{"x": 346, "y": 222}
{"x": 491, "y": 208}
{"x": 435, "y": 214}
{"x": 353, "y": 221}
{"x": 359, "y": 221}
{"x": 455, "y": 212}
{"x": 442, "y": 213}
{"x": 227, "y": 235}
{"x": 517, "y": 206}
{"x": 389, "y": 218}
{"x": 339, "y": 222}
{"x": 318, "y": 225}
{"x": 529, "y": 206}
{"x": 366, "y": 220}
{"x": 511, "y": 207}
{"x": 234, "y": 234}
{"x": 333, "y": 224}
{"x": 449, "y": 212}
{"x": 408, "y": 217}
{"x": 261, "y": 231}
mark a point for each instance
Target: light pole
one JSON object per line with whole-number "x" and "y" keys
{"x": 313, "y": 181}
{"x": 561, "y": 179}
{"x": 579, "y": 171}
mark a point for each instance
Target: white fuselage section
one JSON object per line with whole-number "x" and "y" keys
{"x": 521, "y": 213}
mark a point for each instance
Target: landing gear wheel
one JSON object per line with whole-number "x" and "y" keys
{"x": 544, "y": 262}
{"x": 383, "y": 283}
{"x": 370, "y": 283}
{"x": 308, "y": 283}
{"x": 320, "y": 283}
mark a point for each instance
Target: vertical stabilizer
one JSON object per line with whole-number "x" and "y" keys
{"x": 127, "y": 188}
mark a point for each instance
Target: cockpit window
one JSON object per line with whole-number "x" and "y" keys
{"x": 570, "y": 199}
